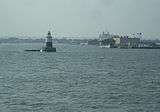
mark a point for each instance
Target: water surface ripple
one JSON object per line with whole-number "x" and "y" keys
{"x": 79, "y": 79}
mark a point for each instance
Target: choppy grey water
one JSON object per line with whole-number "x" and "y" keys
{"x": 79, "y": 79}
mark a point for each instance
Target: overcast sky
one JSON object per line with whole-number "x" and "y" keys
{"x": 79, "y": 17}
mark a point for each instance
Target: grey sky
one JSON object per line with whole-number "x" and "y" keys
{"x": 79, "y": 17}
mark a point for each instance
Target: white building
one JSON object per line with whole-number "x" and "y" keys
{"x": 127, "y": 42}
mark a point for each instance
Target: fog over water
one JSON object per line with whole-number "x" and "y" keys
{"x": 79, "y": 17}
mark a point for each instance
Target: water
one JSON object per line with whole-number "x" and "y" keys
{"x": 79, "y": 79}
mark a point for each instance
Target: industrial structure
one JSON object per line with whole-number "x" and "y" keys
{"x": 127, "y": 42}
{"x": 115, "y": 41}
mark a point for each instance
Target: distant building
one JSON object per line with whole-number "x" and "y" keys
{"x": 126, "y": 42}
{"x": 113, "y": 41}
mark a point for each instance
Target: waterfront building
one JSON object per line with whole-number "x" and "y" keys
{"x": 127, "y": 42}
{"x": 114, "y": 41}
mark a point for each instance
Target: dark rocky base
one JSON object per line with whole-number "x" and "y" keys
{"x": 33, "y": 50}
{"x": 44, "y": 50}
{"x": 49, "y": 49}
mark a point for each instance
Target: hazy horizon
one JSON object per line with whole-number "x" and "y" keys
{"x": 79, "y": 18}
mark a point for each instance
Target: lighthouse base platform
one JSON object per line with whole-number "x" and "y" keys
{"x": 53, "y": 49}
{"x": 33, "y": 50}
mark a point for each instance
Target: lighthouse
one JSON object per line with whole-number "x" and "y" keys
{"x": 49, "y": 40}
{"x": 49, "y": 46}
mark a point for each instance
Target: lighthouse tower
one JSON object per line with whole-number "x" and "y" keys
{"x": 49, "y": 40}
{"x": 49, "y": 47}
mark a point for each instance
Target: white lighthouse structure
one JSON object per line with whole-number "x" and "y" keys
{"x": 49, "y": 45}
{"x": 49, "y": 40}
